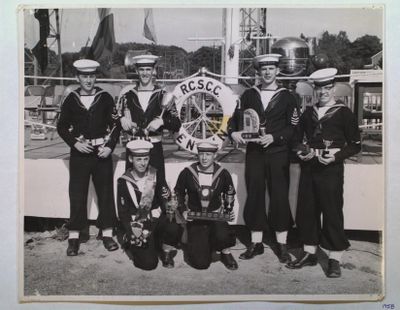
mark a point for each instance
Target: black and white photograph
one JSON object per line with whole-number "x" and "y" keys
{"x": 202, "y": 153}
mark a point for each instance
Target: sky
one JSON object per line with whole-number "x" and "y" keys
{"x": 174, "y": 26}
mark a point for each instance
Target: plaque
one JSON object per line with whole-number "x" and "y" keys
{"x": 223, "y": 214}
{"x": 251, "y": 125}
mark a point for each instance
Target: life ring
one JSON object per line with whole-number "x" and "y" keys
{"x": 204, "y": 106}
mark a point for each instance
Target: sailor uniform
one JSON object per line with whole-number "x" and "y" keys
{"x": 130, "y": 104}
{"x": 321, "y": 186}
{"x": 145, "y": 203}
{"x": 269, "y": 164}
{"x": 204, "y": 236}
{"x": 97, "y": 125}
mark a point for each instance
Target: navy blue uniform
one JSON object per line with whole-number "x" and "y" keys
{"x": 130, "y": 101}
{"x": 204, "y": 236}
{"x": 270, "y": 164}
{"x": 321, "y": 186}
{"x": 161, "y": 229}
{"x": 93, "y": 123}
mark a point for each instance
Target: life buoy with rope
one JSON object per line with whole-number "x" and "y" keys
{"x": 204, "y": 106}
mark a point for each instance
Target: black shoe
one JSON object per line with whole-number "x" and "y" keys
{"x": 333, "y": 269}
{"x": 167, "y": 258}
{"x": 73, "y": 247}
{"x": 229, "y": 261}
{"x": 283, "y": 254}
{"x": 253, "y": 250}
{"x": 307, "y": 259}
{"x": 110, "y": 244}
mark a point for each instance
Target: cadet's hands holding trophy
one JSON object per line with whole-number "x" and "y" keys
{"x": 306, "y": 157}
{"x": 326, "y": 159}
{"x": 237, "y": 137}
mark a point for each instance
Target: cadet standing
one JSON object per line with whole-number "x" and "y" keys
{"x": 267, "y": 160}
{"x": 328, "y": 134}
{"x": 144, "y": 115}
{"x": 87, "y": 125}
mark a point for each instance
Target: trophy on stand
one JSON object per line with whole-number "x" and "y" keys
{"x": 224, "y": 213}
{"x": 38, "y": 132}
{"x": 304, "y": 148}
{"x": 249, "y": 124}
{"x": 327, "y": 144}
{"x": 171, "y": 207}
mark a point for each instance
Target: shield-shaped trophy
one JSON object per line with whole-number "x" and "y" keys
{"x": 251, "y": 125}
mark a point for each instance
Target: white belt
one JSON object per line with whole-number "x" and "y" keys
{"x": 153, "y": 139}
{"x": 96, "y": 142}
{"x": 319, "y": 152}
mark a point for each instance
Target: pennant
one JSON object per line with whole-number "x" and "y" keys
{"x": 104, "y": 40}
{"x": 149, "y": 31}
{"x": 40, "y": 50}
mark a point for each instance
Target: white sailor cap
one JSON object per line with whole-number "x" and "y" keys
{"x": 86, "y": 66}
{"x": 323, "y": 77}
{"x": 266, "y": 60}
{"x": 139, "y": 147}
{"x": 206, "y": 146}
{"x": 145, "y": 60}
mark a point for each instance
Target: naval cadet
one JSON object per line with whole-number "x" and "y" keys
{"x": 87, "y": 124}
{"x": 142, "y": 198}
{"x": 328, "y": 134}
{"x": 146, "y": 110}
{"x": 205, "y": 185}
{"x": 267, "y": 159}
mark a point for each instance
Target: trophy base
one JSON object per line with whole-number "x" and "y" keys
{"x": 250, "y": 136}
{"x": 208, "y": 216}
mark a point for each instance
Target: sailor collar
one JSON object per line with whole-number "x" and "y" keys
{"x": 77, "y": 95}
{"x": 131, "y": 177}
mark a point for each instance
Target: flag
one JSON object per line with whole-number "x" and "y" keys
{"x": 104, "y": 40}
{"x": 149, "y": 31}
{"x": 40, "y": 50}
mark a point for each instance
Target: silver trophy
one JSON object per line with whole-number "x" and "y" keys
{"x": 223, "y": 214}
{"x": 327, "y": 144}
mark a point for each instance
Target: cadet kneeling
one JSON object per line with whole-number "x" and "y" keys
{"x": 210, "y": 194}
{"x": 142, "y": 200}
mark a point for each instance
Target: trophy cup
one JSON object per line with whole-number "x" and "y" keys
{"x": 327, "y": 144}
{"x": 171, "y": 207}
{"x": 38, "y": 132}
{"x": 303, "y": 149}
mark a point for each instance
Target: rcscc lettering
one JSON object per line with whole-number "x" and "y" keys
{"x": 200, "y": 85}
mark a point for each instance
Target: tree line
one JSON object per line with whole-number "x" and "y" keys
{"x": 332, "y": 50}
